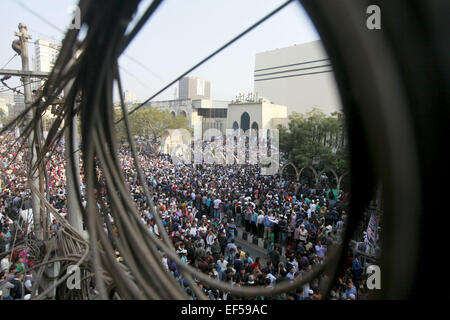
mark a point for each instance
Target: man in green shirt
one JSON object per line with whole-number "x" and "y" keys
{"x": 20, "y": 265}
{"x": 271, "y": 240}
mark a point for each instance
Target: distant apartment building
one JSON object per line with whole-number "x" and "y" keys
{"x": 18, "y": 106}
{"x": 129, "y": 97}
{"x": 45, "y": 56}
{"x": 194, "y": 88}
{"x": 46, "y": 53}
{"x": 6, "y": 102}
{"x": 299, "y": 77}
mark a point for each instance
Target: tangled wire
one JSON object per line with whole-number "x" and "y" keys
{"x": 90, "y": 77}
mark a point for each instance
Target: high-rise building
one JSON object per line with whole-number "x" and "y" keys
{"x": 194, "y": 88}
{"x": 45, "y": 55}
{"x": 129, "y": 97}
{"x": 6, "y": 102}
{"x": 19, "y": 105}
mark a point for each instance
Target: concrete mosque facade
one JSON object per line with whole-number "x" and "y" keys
{"x": 220, "y": 115}
{"x": 259, "y": 114}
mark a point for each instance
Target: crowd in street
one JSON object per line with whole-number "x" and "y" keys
{"x": 202, "y": 208}
{"x": 16, "y": 278}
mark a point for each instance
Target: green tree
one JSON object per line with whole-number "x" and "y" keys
{"x": 315, "y": 136}
{"x": 150, "y": 123}
{"x": 5, "y": 119}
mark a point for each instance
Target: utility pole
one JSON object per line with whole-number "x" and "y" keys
{"x": 73, "y": 208}
{"x": 33, "y": 177}
{"x": 72, "y": 185}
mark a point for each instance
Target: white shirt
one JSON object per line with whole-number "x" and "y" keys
{"x": 272, "y": 278}
{"x": 217, "y": 203}
{"x": 306, "y": 288}
{"x": 164, "y": 261}
{"x": 28, "y": 284}
{"x": 290, "y": 275}
{"x": 223, "y": 265}
{"x": 295, "y": 264}
{"x": 5, "y": 264}
{"x": 210, "y": 239}
{"x": 260, "y": 219}
{"x": 303, "y": 234}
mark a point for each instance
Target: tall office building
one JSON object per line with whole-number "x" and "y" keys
{"x": 194, "y": 88}
{"x": 6, "y": 102}
{"x": 129, "y": 97}
{"x": 19, "y": 105}
{"x": 45, "y": 55}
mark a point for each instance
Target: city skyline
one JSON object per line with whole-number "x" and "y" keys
{"x": 171, "y": 42}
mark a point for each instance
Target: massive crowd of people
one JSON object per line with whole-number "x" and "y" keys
{"x": 202, "y": 207}
{"x": 16, "y": 276}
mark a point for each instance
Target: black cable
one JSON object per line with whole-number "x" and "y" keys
{"x": 15, "y": 55}
{"x": 94, "y": 73}
{"x": 39, "y": 16}
{"x": 14, "y": 88}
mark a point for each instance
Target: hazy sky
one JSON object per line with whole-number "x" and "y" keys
{"x": 180, "y": 34}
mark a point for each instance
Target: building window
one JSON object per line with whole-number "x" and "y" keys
{"x": 255, "y": 128}
{"x": 235, "y": 125}
{"x": 245, "y": 121}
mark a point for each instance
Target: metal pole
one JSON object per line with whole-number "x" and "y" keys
{"x": 33, "y": 178}
{"x": 73, "y": 207}
{"x": 72, "y": 185}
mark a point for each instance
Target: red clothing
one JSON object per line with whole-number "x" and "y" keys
{"x": 253, "y": 265}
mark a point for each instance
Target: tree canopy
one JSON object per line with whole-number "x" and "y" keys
{"x": 150, "y": 123}
{"x": 315, "y": 139}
